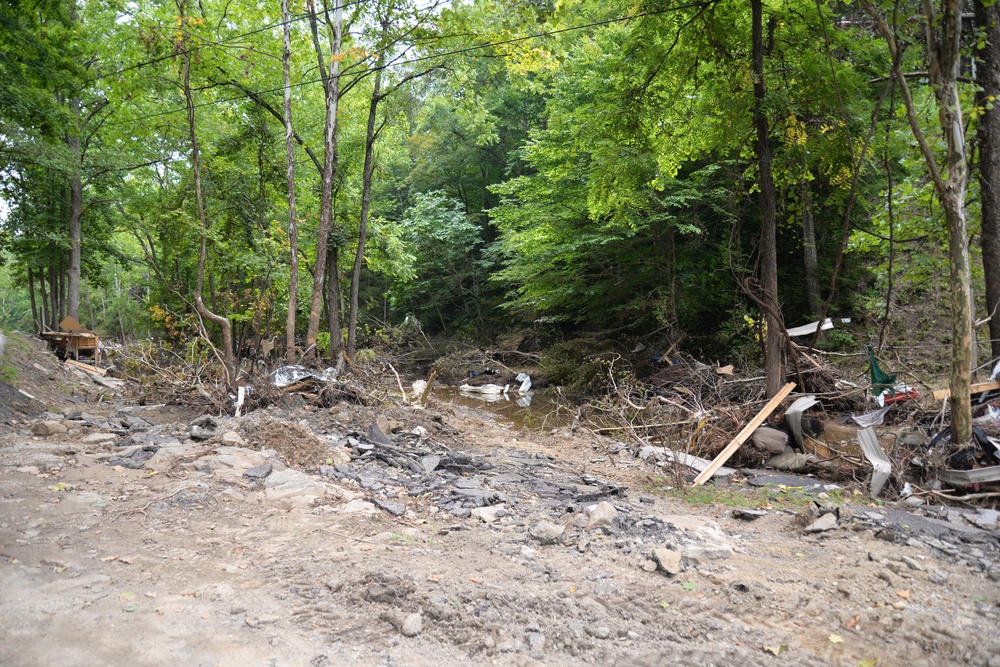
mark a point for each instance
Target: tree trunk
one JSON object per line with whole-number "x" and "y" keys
{"x": 31, "y": 296}
{"x": 293, "y": 234}
{"x": 333, "y": 300}
{"x": 223, "y": 323}
{"x": 809, "y": 259}
{"x": 43, "y": 320}
{"x": 768, "y": 212}
{"x": 366, "y": 196}
{"x": 943, "y": 34}
{"x": 53, "y": 291}
{"x": 331, "y": 85}
{"x": 988, "y": 138}
{"x": 75, "y": 215}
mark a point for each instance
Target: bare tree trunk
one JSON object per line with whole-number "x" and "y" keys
{"x": 943, "y": 34}
{"x": 293, "y": 234}
{"x": 31, "y": 296}
{"x": 331, "y": 85}
{"x": 809, "y": 258}
{"x": 333, "y": 300}
{"x": 366, "y": 196}
{"x": 75, "y": 215}
{"x": 768, "y": 213}
{"x": 90, "y": 304}
{"x": 45, "y": 300}
{"x": 53, "y": 292}
{"x": 223, "y": 323}
{"x": 988, "y": 138}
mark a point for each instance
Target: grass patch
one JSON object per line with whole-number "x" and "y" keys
{"x": 750, "y": 497}
{"x": 8, "y": 373}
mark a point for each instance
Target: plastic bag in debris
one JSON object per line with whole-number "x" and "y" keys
{"x": 286, "y": 375}
{"x": 791, "y": 460}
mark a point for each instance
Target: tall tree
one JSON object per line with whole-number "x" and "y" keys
{"x": 987, "y": 16}
{"x": 293, "y": 236}
{"x": 331, "y": 88}
{"x": 943, "y": 32}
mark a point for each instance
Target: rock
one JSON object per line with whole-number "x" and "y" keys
{"x": 600, "y": 632}
{"x": 701, "y": 554}
{"x": 487, "y": 514}
{"x": 205, "y": 427}
{"x": 985, "y": 518}
{"x": 668, "y": 560}
{"x": 649, "y": 500}
{"x": 535, "y": 641}
{"x": 547, "y": 532}
{"x": 393, "y": 507}
{"x": 603, "y": 514}
{"x": 233, "y": 439}
{"x": 412, "y": 625}
{"x": 822, "y": 524}
{"x": 528, "y": 552}
{"x": 99, "y": 439}
{"x": 259, "y": 472}
{"x": 358, "y": 506}
{"x": 377, "y": 435}
{"x": 748, "y": 515}
{"x": 429, "y": 463}
{"x": 648, "y": 565}
{"x": 293, "y": 487}
{"x": 48, "y": 427}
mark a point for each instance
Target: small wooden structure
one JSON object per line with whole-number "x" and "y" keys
{"x": 73, "y": 341}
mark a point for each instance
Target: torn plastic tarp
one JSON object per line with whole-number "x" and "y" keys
{"x": 810, "y": 328}
{"x": 287, "y": 375}
{"x": 689, "y": 460}
{"x": 793, "y": 415}
{"x": 873, "y": 418}
{"x": 899, "y": 393}
{"x": 880, "y": 462}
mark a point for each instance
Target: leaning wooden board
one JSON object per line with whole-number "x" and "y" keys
{"x": 973, "y": 389}
{"x": 743, "y": 435}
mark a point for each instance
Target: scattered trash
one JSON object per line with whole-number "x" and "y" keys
{"x": 873, "y": 418}
{"x": 882, "y": 468}
{"x": 289, "y": 375}
{"x": 810, "y": 328}
{"x": 793, "y": 415}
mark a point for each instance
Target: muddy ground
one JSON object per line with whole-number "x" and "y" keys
{"x": 441, "y": 537}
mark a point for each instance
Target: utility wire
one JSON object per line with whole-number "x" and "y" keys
{"x": 464, "y": 50}
{"x": 222, "y": 42}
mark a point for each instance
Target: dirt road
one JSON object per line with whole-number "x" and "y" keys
{"x": 295, "y": 537}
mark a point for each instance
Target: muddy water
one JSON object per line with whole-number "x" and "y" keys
{"x": 532, "y": 411}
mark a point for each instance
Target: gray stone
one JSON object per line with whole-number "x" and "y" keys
{"x": 535, "y": 641}
{"x": 648, "y": 565}
{"x": 412, "y": 625}
{"x": 547, "y": 532}
{"x": 259, "y": 472}
{"x": 359, "y": 507}
{"x": 292, "y": 486}
{"x": 393, "y": 507}
{"x": 824, "y": 523}
{"x": 429, "y": 463}
{"x": 603, "y": 514}
{"x": 487, "y": 514}
{"x": 205, "y": 427}
{"x": 986, "y": 518}
{"x": 233, "y": 439}
{"x": 748, "y": 515}
{"x": 600, "y": 632}
{"x": 650, "y": 500}
{"x": 668, "y": 560}
{"x": 48, "y": 427}
{"x": 97, "y": 439}
{"x": 704, "y": 553}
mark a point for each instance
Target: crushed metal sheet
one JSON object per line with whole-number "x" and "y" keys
{"x": 882, "y": 468}
{"x": 286, "y": 375}
{"x": 873, "y": 418}
{"x": 689, "y": 460}
{"x": 793, "y": 415}
{"x": 974, "y": 476}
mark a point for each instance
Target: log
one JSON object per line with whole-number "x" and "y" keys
{"x": 743, "y": 435}
{"x": 86, "y": 367}
{"x": 942, "y": 394}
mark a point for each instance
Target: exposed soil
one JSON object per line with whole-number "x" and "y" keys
{"x": 440, "y": 537}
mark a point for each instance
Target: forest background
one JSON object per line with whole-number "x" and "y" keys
{"x": 711, "y": 172}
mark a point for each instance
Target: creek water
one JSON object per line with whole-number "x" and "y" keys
{"x": 534, "y": 410}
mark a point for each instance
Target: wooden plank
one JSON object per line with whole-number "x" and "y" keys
{"x": 744, "y": 435}
{"x": 86, "y": 367}
{"x": 941, "y": 394}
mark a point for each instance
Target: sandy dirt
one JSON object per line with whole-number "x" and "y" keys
{"x": 296, "y": 537}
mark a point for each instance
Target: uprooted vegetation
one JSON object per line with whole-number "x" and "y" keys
{"x": 653, "y": 405}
